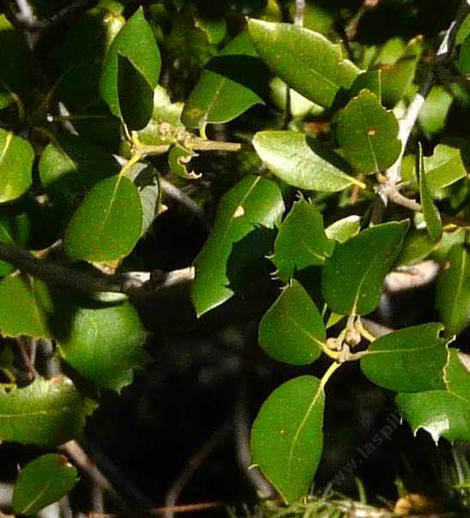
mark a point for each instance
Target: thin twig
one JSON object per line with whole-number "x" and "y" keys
{"x": 393, "y": 174}
{"x": 177, "y": 194}
{"x": 79, "y": 457}
{"x": 194, "y": 463}
{"x": 299, "y": 12}
{"x": 188, "y": 508}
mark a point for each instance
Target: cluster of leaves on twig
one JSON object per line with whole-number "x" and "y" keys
{"x": 89, "y": 138}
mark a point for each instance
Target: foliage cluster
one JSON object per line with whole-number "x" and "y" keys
{"x": 327, "y": 127}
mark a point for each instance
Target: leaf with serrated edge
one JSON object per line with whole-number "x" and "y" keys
{"x": 304, "y": 59}
{"x": 303, "y": 162}
{"x": 301, "y": 240}
{"x": 46, "y": 412}
{"x": 442, "y": 413}
{"x": 292, "y": 330}
{"x": 408, "y": 360}
{"x": 105, "y": 344}
{"x": 352, "y": 278}
{"x": 287, "y": 436}
{"x": 254, "y": 203}
{"x": 25, "y": 307}
{"x": 41, "y": 482}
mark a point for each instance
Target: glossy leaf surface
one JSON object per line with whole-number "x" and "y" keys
{"x": 45, "y": 412}
{"x": 442, "y": 413}
{"x": 367, "y": 134}
{"x": 302, "y": 162}
{"x": 108, "y": 222}
{"x": 408, "y": 360}
{"x": 352, "y": 279}
{"x": 41, "y": 482}
{"x": 135, "y": 42}
{"x": 231, "y": 83}
{"x": 301, "y": 240}
{"x": 292, "y": 330}
{"x": 445, "y": 166}
{"x": 25, "y": 307}
{"x": 305, "y": 60}
{"x": 16, "y": 162}
{"x": 287, "y": 436}
{"x": 105, "y": 344}
{"x": 343, "y": 229}
{"x": 254, "y": 205}
{"x": 453, "y": 290}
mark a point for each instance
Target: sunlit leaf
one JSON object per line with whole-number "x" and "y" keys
{"x": 292, "y": 330}
{"x": 301, "y": 240}
{"x": 16, "y": 162}
{"x": 104, "y": 344}
{"x": 231, "y": 83}
{"x": 367, "y": 134}
{"x": 287, "y": 436}
{"x": 25, "y": 307}
{"x": 45, "y": 412}
{"x": 244, "y": 215}
{"x": 302, "y": 162}
{"x": 41, "y": 482}
{"x": 352, "y": 279}
{"x": 108, "y": 222}
{"x": 408, "y": 360}
{"x": 304, "y": 59}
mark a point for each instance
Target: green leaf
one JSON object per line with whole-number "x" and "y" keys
{"x": 370, "y": 80}
{"x": 453, "y": 290}
{"x": 301, "y": 240}
{"x": 433, "y": 115}
{"x": 343, "y": 229}
{"x": 397, "y": 76}
{"x": 104, "y": 344}
{"x": 245, "y": 212}
{"x": 70, "y": 166}
{"x": 416, "y": 247}
{"x": 14, "y": 230}
{"x": 463, "y": 61}
{"x": 15, "y": 70}
{"x": 135, "y": 95}
{"x": 16, "y": 163}
{"x": 145, "y": 178}
{"x": 305, "y": 60}
{"x": 352, "y": 279}
{"x": 302, "y": 162}
{"x": 299, "y": 106}
{"x": 431, "y": 215}
{"x": 45, "y": 412}
{"x": 442, "y": 413}
{"x": 367, "y": 134}
{"x": 136, "y": 42}
{"x": 292, "y": 330}
{"x": 408, "y": 360}
{"x": 231, "y": 83}
{"x": 41, "y": 482}
{"x": 178, "y": 160}
{"x": 107, "y": 224}
{"x": 287, "y": 436}
{"x": 445, "y": 166}
{"x": 25, "y": 307}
